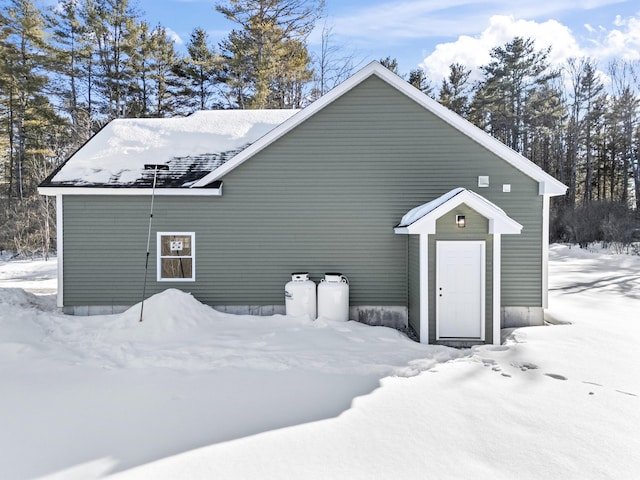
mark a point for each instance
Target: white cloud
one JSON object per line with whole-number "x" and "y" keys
{"x": 621, "y": 43}
{"x": 395, "y": 21}
{"x": 601, "y": 44}
{"x": 473, "y": 52}
{"x": 174, "y": 36}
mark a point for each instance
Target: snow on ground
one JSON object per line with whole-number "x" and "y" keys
{"x": 191, "y": 393}
{"x": 36, "y": 276}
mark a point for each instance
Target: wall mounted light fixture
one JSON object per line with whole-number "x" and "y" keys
{"x": 460, "y": 221}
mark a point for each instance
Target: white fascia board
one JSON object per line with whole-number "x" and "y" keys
{"x": 548, "y": 184}
{"x": 159, "y": 192}
{"x": 499, "y": 222}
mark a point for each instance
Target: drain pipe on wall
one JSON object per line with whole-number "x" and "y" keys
{"x": 155, "y": 169}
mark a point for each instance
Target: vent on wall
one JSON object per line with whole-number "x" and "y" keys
{"x": 483, "y": 181}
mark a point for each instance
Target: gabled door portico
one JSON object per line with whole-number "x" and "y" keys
{"x": 459, "y": 279}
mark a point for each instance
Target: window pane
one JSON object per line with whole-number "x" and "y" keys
{"x": 175, "y": 245}
{"x": 176, "y": 268}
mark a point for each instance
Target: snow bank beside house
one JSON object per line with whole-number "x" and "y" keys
{"x": 192, "y": 393}
{"x": 120, "y": 150}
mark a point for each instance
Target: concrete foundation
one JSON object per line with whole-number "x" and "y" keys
{"x": 388, "y": 316}
{"x": 88, "y": 310}
{"x": 514, "y": 317}
{"x": 261, "y": 310}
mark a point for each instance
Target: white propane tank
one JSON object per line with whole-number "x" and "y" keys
{"x": 300, "y": 296}
{"x": 333, "y": 297}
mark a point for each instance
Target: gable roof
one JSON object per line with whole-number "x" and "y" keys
{"x": 191, "y": 146}
{"x": 203, "y": 147}
{"x": 547, "y": 184}
{"x": 422, "y": 219}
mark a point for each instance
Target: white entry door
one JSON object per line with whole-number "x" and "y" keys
{"x": 460, "y": 287}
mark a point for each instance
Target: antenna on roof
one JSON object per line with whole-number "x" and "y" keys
{"x": 155, "y": 168}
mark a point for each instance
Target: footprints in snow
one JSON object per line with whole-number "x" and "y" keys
{"x": 522, "y": 366}
{"x": 526, "y": 366}
{"x": 600, "y": 385}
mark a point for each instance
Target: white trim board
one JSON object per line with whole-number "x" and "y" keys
{"x": 482, "y": 307}
{"x": 159, "y": 256}
{"x": 426, "y": 215}
{"x": 159, "y": 192}
{"x": 547, "y": 184}
{"x": 60, "y": 250}
{"x": 497, "y": 288}
{"x": 424, "y": 288}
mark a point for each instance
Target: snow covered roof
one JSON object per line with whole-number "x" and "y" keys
{"x": 205, "y": 146}
{"x": 190, "y": 146}
{"x": 422, "y": 219}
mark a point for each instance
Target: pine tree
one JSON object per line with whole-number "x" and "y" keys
{"x": 517, "y": 69}
{"x": 418, "y": 79}
{"x": 266, "y": 58}
{"x": 71, "y": 66}
{"x": 113, "y": 23}
{"x": 391, "y": 64}
{"x": 591, "y": 91}
{"x": 23, "y": 67}
{"x": 200, "y": 72}
{"x": 454, "y": 92}
{"x": 163, "y": 62}
{"x": 31, "y": 124}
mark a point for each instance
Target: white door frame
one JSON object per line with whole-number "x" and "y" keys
{"x": 483, "y": 266}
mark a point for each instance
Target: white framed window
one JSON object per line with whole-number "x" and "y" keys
{"x": 176, "y": 257}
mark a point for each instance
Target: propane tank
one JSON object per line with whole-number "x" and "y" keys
{"x": 300, "y": 296}
{"x": 333, "y": 297}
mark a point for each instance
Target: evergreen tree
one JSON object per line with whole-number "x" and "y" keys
{"x": 266, "y": 58}
{"x": 200, "y": 72}
{"x": 454, "y": 92}
{"x": 419, "y": 79}
{"x": 112, "y": 23}
{"x": 391, "y": 64}
{"x": 591, "y": 92}
{"x": 163, "y": 62}
{"x": 31, "y": 125}
{"x": 71, "y": 66}
{"x": 516, "y": 71}
{"x": 24, "y": 78}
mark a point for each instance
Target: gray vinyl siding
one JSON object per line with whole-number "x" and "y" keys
{"x": 414, "y": 282}
{"x": 324, "y": 197}
{"x": 476, "y": 229}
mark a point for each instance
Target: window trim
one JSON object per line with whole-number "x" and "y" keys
{"x": 159, "y": 257}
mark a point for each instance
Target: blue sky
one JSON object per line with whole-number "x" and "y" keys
{"x": 434, "y": 33}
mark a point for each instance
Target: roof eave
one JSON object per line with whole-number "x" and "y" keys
{"x": 372, "y": 68}
{"x": 130, "y": 191}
